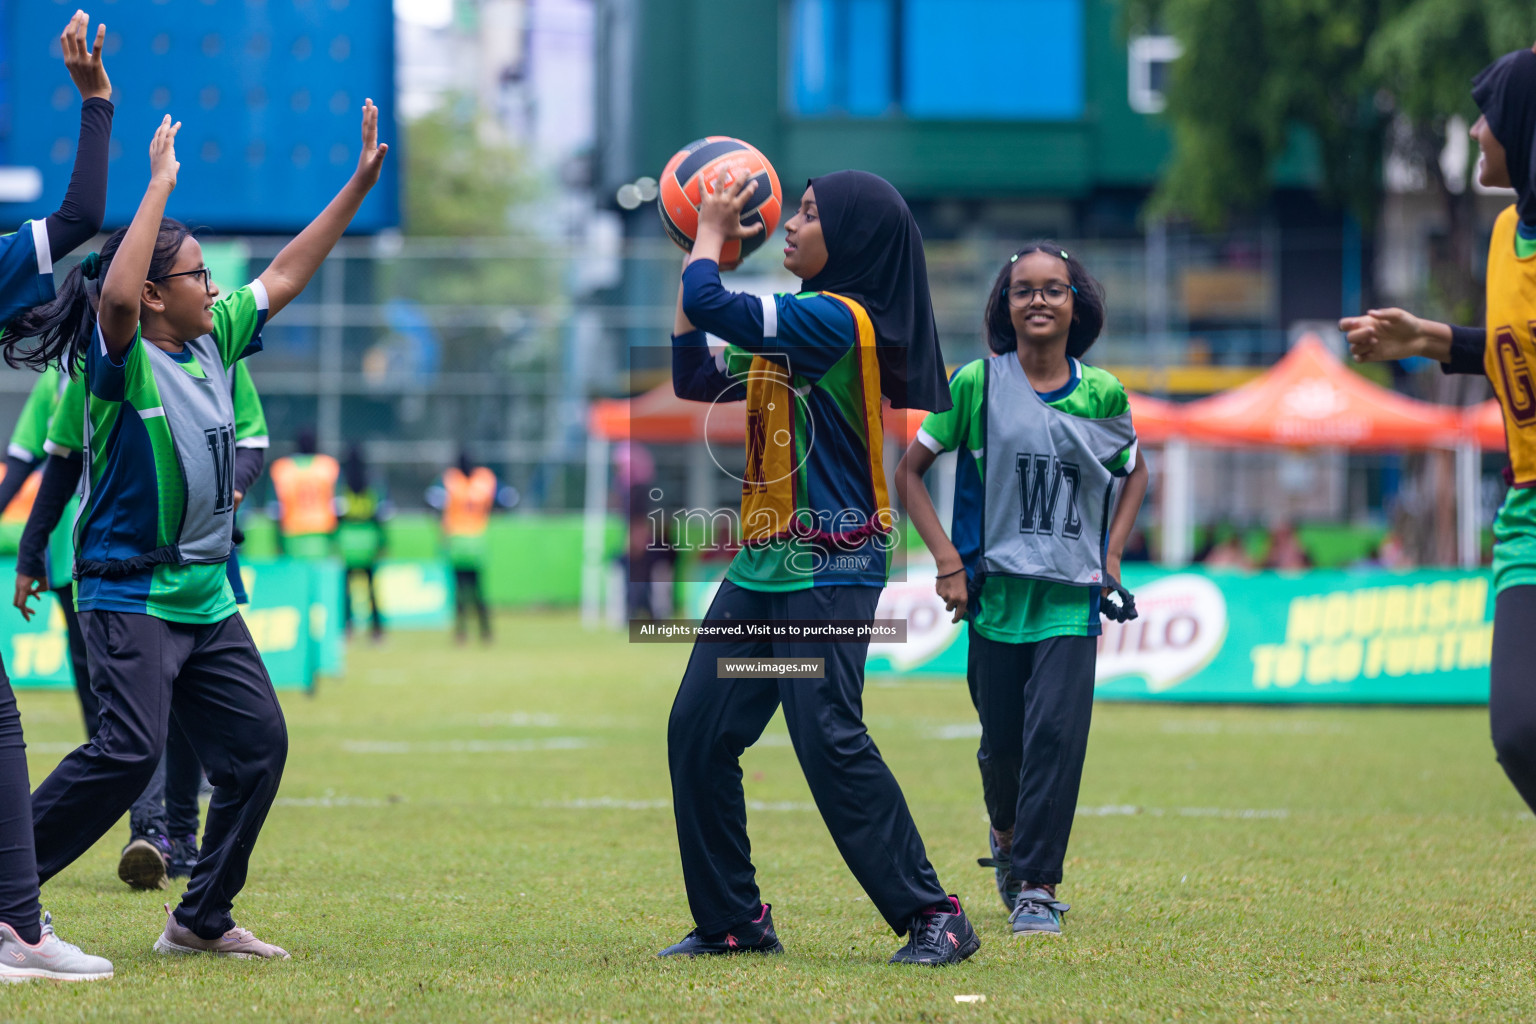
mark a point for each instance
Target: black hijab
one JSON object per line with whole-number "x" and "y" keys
{"x": 355, "y": 470}
{"x": 875, "y": 256}
{"x": 1505, "y": 91}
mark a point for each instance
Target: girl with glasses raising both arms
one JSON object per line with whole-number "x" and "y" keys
{"x": 1033, "y": 549}
{"x": 154, "y": 532}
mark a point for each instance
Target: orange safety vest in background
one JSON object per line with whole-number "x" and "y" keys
{"x": 467, "y": 511}
{"x": 306, "y": 488}
{"x": 21, "y": 505}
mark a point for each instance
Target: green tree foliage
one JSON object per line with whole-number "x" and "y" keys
{"x": 1354, "y": 77}
{"x": 458, "y": 184}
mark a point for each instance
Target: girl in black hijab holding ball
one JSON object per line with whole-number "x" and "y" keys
{"x": 817, "y": 535}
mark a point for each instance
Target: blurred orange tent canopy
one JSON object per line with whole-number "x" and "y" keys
{"x": 1486, "y": 422}
{"x": 659, "y": 417}
{"x": 1311, "y": 399}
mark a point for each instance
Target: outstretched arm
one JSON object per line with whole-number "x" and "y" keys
{"x": 80, "y": 214}
{"x": 118, "y": 313}
{"x": 292, "y": 268}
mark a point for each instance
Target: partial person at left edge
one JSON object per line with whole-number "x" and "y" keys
{"x": 29, "y": 947}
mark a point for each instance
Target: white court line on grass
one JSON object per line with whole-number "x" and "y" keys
{"x": 609, "y": 803}
{"x": 1131, "y": 810}
{"x": 958, "y": 731}
{"x": 464, "y": 746}
{"x": 51, "y": 748}
{"x": 518, "y": 718}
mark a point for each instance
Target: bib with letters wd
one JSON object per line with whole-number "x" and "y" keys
{"x": 1048, "y": 493}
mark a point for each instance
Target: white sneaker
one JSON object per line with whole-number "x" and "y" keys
{"x": 179, "y": 940}
{"x": 51, "y": 958}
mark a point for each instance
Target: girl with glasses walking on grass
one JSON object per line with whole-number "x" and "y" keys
{"x": 1042, "y": 440}
{"x": 154, "y": 532}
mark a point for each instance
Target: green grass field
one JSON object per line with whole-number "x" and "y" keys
{"x": 485, "y": 834}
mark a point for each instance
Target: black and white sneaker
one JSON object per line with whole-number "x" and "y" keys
{"x": 755, "y": 936}
{"x": 939, "y": 937}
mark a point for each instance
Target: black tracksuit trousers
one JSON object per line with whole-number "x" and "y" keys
{"x": 210, "y": 677}
{"x": 18, "y": 866}
{"x": 714, "y": 720}
{"x": 1035, "y": 702}
{"x": 1512, "y": 688}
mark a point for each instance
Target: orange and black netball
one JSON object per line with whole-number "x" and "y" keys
{"x": 693, "y": 170}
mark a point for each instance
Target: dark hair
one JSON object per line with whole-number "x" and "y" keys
{"x": 355, "y": 469}
{"x": 63, "y": 328}
{"x": 1087, "y": 303}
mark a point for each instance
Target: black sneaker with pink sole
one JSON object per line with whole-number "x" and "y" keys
{"x": 755, "y": 936}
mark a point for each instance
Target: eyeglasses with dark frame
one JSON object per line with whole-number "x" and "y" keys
{"x": 202, "y": 272}
{"x": 1054, "y": 294}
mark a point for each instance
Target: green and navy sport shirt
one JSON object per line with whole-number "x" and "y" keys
{"x": 137, "y": 493}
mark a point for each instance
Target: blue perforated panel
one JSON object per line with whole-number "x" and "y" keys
{"x": 994, "y": 59}
{"x": 269, "y": 93}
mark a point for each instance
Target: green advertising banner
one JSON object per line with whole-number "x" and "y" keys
{"x": 1321, "y": 636}
{"x": 286, "y": 617}
{"x": 280, "y": 618}
{"x": 412, "y": 595}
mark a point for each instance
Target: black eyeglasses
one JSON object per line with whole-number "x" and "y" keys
{"x": 1053, "y": 294}
{"x": 202, "y": 272}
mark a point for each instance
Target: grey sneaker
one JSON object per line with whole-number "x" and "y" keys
{"x": 1037, "y": 912}
{"x": 237, "y": 942}
{"x": 51, "y": 958}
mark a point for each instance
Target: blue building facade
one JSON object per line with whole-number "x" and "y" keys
{"x": 269, "y": 93}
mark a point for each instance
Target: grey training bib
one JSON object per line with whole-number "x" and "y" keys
{"x": 201, "y": 416}
{"x": 1048, "y": 494}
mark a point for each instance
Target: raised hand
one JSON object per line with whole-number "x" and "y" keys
{"x": 163, "y": 165}
{"x": 83, "y": 60}
{"x": 720, "y": 209}
{"x": 370, "y": 162}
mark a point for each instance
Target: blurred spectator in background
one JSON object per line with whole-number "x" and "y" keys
{"x": 648, "y": 557}
{"x": 1389, "y": 553}
{"x": 1136, "y": 549}
{"x": 305, "y": 510}
{"x": 1226, "y": 550}
{"x": 360, "y": 536}
{"x": 1285, "y": 550}
{"x": 466, "y": 496}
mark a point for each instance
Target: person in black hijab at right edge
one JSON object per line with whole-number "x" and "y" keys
{"x": 1504, "y": 351}
{"x": 818, "y": 533}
